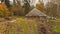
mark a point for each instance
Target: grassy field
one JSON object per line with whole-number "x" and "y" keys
{"x": 55, "y": 26}
{"x": 21, "y": 26}
{"x": 58, "y": 21}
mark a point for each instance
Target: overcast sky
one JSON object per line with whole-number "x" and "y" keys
{"x": 36, "y": 1}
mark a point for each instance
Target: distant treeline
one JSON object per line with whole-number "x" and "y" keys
{"x": 16, "y": 9}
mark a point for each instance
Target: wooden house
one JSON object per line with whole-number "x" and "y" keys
{"x": 36, "y": 14}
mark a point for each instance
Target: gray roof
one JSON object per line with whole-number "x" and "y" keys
{"x": 35, "y": 12}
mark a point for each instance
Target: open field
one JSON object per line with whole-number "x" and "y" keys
{"x": 23, "y": 26}
{"x": 55, "y": 24}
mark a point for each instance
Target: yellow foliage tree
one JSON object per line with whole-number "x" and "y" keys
{"x": 4, "y": 12}
{"x": 40, "y": 6}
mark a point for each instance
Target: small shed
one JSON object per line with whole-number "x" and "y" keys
{"x": 36, "y": 14}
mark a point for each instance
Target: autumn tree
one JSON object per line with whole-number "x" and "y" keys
{"x": 17, "y": 8}
{"x": 40, "y": 6}
{"x": 51, "y": 9}
{"x": 58, "y": 7}
{"x": 4, "y": 12}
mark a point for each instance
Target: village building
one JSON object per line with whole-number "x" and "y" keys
{"x": 37, "y": 15}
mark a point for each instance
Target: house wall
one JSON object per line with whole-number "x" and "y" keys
{"x": 43, "y": 19}
{"x": 33, "y": 18}
{"x": 37, "y": 19}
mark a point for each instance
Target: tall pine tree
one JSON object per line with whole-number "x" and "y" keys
{"x": 7, "y": 2}
{"x": 27, "y": 6}
{"x": 2, "y": 0}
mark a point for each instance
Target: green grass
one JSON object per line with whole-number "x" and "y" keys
{"x": 12, "y": 31}
{"x": 55, "y": 21}
{"x": 56, "y": 28}
{"x": 34, "y": 28}
{"x": 24, "y": 26}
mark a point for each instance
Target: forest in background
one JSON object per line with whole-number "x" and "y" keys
{"x": 51, "y": 8}
{"x": 13, "y": 19}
